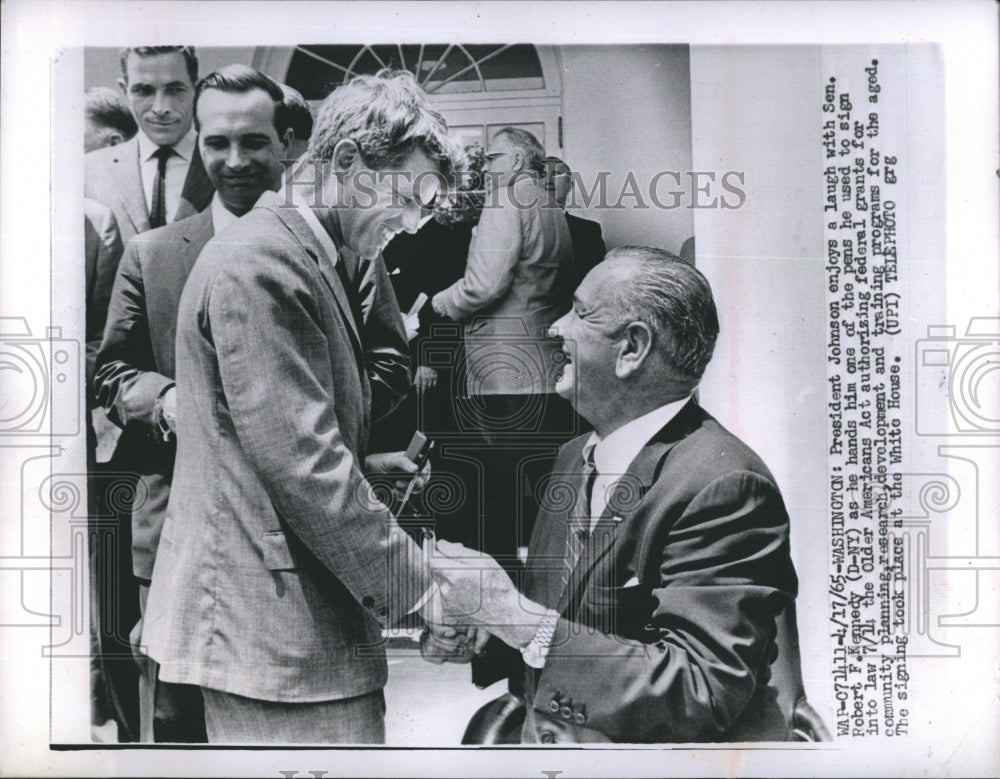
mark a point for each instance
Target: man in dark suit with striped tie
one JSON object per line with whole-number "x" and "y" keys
{"x": 660, "y": 558}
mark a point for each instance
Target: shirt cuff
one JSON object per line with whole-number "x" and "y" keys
{"x": 535, "y": 651}
{"x": 159, "y": 422}
{"x": 428, "y": 593}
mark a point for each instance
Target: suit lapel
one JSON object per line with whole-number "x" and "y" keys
{"x": 544, "y": 582}
{"x": 295, "y": 222}
{"x": 198, "y": 189}
{"x": 198, "y": 231}
{"x": 129, "y": 183}
{"x": 627, "y": 496}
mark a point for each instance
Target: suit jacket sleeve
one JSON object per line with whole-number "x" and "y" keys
{"x": 126, "y": 381}
{"x": 277, "y": 378}
{"x": 387, "y": 353}
{"x": 493, "y": 256}
{"x": 103, "y": 246}
{"x": 724, "y": 573}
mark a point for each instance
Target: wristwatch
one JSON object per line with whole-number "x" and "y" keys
{"x": 535, "y": 651}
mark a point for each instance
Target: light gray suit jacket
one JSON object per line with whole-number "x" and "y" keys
{"x": 276, "y": 564}
{"x": 518, "y": 281}
{"x": 112, "y": 177}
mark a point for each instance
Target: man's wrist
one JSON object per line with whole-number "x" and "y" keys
{"x": 159, "y": 421}
{"x": 537, "y": 647}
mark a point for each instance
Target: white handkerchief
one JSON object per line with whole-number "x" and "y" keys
{"x": 633, "y": 582}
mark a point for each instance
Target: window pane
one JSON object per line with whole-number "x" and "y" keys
{"x": 516, "y": 67}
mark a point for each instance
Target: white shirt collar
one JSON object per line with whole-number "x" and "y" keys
{"x": 222, "y": 217}
{"x": 307, "y": 213}
{"x": 184, "y": 148}
{"x": 614, "y": 454}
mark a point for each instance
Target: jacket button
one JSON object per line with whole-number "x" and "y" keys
{"x": 553, "y": 706}
{"x": 566, "y": 712}
{"x": 579, "y": 718}
{"x": 548, "y": 737}
{"x": 368, "y": 601}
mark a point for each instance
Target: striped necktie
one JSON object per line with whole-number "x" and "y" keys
{"x": 578, "y": 522}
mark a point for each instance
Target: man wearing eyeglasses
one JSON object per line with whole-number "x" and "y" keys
{"x": 518, "y": 281}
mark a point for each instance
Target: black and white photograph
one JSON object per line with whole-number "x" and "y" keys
{"x": 500, "y": 389}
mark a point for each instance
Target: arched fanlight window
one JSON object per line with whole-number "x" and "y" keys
{"x": 439, "y": 68}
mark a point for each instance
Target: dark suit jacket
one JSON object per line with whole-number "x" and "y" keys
{"x": 668, "y": 624}
{"x": 102, "y": 253}
{"x": 276, "y": 564}
{"x": 427, "y": 261}
{"x": 588, "y": 244}
{"x": 112, "y": 177}
{"x": 135, "y": 364}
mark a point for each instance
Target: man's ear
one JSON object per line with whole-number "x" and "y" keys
{"x": 636, "y": 345}
{"x": 287, "y": 139}
{"x": 123, "y": 86}
{"x": 115, "y": 138}
{"x": 344, "y": 154}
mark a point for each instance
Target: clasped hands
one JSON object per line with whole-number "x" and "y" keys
{"x": 473, "y": 599}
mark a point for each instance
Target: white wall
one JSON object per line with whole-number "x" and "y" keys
{"x": 767, "y": 381}
{"x": 628, "y": 108}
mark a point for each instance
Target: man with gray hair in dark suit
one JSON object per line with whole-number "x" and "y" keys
{"x": 660, "y": 560}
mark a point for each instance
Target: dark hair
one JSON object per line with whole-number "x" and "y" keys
{"x": 388, "y": 116}
{"x": 240, "y": 79}
{"x": 675, "y": 300}
{"x": 190, "y": 57}
{"x": 105, "y": 107}
{"x": 300, "y": 118}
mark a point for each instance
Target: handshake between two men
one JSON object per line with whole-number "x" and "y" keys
{"x": 473, "y": 598}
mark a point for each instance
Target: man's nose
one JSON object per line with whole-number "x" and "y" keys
{"x": 411, "y": 217}
{"x": 236, "y": 159}
{"x": 161, "y": 103}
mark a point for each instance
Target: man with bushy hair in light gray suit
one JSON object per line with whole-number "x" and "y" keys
{"x": 277, "y": 566}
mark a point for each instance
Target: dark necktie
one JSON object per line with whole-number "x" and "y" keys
{"x": 158, "y": 208}
{"x": 350, "y": 291}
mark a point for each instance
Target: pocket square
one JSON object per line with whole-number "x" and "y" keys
{"x": 633, "y": 582}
